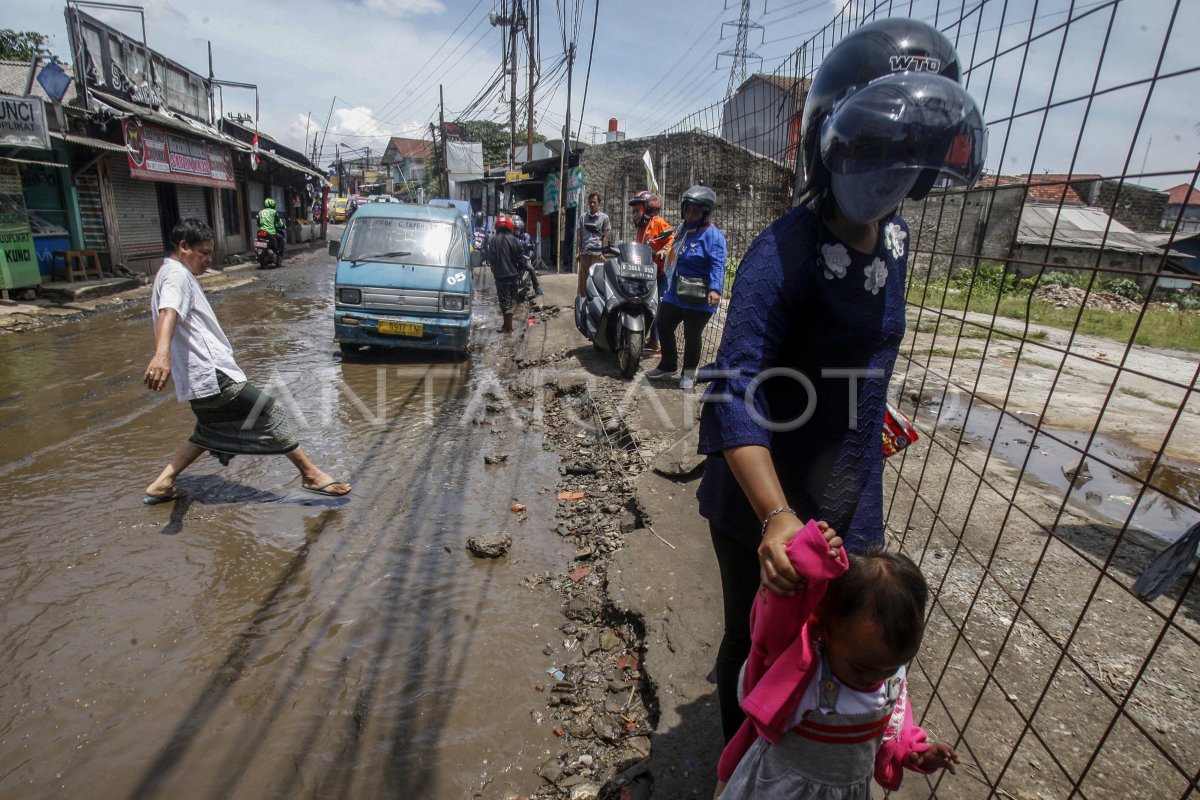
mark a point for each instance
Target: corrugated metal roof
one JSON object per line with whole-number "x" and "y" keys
{"x": 179, "y": 123}
{"x": 88, "y": 141}
{"x": 1085, "y": 227}
{"x": 33, "y": 161}
{"x": 287, "y": 162}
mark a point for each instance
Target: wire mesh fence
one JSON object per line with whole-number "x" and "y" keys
{"x": 1050, "y": 365}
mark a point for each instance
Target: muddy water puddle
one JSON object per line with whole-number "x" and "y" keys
{"x": 253, "y": 639}
{"x": 1114, "y": 472}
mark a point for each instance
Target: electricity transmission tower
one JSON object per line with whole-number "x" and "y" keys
{"x": 737, "y": 69}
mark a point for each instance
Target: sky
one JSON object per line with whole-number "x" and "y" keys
{"x": 364, "y": 70}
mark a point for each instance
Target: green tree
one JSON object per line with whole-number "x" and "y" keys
{"x": 20, "y": 45}
{"x": 495, "y": 140}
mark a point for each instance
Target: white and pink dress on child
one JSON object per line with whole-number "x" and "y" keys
{"x": 807, "y": 735}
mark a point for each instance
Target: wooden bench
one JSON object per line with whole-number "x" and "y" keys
{"x": 78, "y": 264}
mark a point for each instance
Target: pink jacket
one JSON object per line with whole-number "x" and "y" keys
{"x": 782, "y": 662}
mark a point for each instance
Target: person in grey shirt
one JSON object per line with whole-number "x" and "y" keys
{"x": 594, "y": 230}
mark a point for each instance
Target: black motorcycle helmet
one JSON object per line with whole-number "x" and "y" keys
{"x": 878, "y": 143}
{"x": 884, "y": 47}
{"x": 701, "y": 196}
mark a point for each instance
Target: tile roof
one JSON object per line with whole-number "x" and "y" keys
{"x": 14, "y": 75}
{"x": 1177, "y": 195}
{"x": 411, "y": 148}
{"x": 797, "y": 88}
{"x": 1051, "y": 188}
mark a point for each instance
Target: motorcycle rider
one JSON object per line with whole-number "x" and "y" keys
{"x": 655, "y": 231}
{"x": 527, "y": 253}
{"x": 508, "y": 260}
{"x": 273, "y": 224}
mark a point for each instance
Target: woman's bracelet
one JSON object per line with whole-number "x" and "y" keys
{"x": 770, "y": 516}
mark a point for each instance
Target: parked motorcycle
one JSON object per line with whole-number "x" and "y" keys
{"x": 621, "y": 303}
{"x": 266, "y": 248}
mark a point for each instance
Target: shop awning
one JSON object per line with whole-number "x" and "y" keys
{"x": 33, "y": 161}
{"x": 289, "y": 164}
{"x": 172, "y": 121}
{"x": 88, "y": 141}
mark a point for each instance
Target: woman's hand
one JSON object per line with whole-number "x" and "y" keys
{"x": 775, "y": 568}
{"x": 714, "y": 298}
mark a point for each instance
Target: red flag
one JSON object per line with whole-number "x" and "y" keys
{"x": 254, "y": 151}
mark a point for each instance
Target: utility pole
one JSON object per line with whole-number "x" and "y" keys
{"x": 442, "y": 133}
{"x": 512, "y": 93}
{"x": 562, "y": 164}
{"x": 337, "y": 159}
{"x": 532, "y": 70}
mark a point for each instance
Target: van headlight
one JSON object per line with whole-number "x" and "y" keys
{"x": 454, "y": 302}
{"x": 350, "y": 297}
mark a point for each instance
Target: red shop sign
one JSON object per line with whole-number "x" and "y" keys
{"x": 156, "y": 154}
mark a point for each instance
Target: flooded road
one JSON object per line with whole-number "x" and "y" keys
{"x": 252, "y": 639}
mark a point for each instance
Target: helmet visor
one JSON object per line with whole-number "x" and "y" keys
{"x": 907, "y": 123}
{"x": 867, "y": 197}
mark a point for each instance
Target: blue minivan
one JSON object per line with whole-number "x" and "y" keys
{"x": 403, "y": 279}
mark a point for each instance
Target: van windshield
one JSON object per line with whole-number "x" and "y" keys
{"x": 405, "y": 241}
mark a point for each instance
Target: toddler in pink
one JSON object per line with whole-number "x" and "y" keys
{"x": 824, "y": 686}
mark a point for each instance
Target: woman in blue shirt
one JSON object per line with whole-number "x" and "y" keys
{"x": 696, "y": 270}
{"x": 792, "y": 422}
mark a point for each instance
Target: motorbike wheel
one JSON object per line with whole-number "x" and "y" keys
{"x": 629, "y": 354}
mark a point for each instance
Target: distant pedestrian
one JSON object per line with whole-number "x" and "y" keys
{"x": 696, "y": 278}
{"x": 527, "y": 259}
{"x": 654, "y": 230}
{"x": 507, "y": 260}
{"x": 233, "y": 417}
{"x": 595, "y": 228}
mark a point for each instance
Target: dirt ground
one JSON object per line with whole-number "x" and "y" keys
{"x": 1038, "y": 663}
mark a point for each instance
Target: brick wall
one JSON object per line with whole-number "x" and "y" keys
{"x": 1136, "y": 207}
{"x": 752, "y": 191}
{"x": 951, "y": 231}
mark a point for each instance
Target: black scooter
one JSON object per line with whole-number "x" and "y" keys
{"x": 266, "y": 248}
{"x": 621, "y": 303}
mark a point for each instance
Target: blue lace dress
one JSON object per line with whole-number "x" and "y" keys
{"x": 812, "y": 335}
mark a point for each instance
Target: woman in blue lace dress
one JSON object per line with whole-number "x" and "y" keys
{"x": 792, "y": 419}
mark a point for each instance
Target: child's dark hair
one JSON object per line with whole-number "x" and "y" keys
{"x": 887, "y": 587}
{"x": 192, "y": 231}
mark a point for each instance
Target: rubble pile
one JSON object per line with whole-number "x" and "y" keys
{"x": 598, "y": 700}
{"x": 1072, "y": 297}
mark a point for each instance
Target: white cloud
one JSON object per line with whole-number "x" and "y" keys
{"x": 404, "y": 8}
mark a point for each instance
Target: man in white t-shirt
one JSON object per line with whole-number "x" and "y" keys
{"x": 232, "y": 416}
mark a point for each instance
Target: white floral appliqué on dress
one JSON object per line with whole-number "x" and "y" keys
{"x": 836, "y": 259}
{"x": 894, "y": 236}
{"x": 876, "y": 276}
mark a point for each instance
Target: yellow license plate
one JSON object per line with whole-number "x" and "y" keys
{"x": 402, "y": 328}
